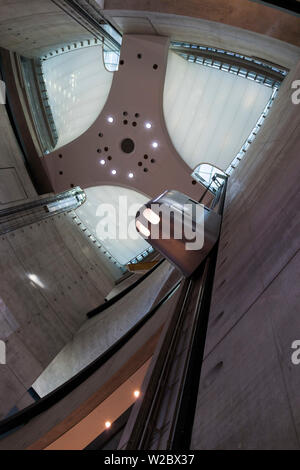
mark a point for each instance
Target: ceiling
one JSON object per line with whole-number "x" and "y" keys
{"x": 77, "y": 86}
{"x": 109, "y": 205}
{"x": 210, "y": 113}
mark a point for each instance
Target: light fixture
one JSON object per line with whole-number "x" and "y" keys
{"x": 130, "y": 175}
{"x": 110, "y": 119}
{"x": 107, "y": 424}
{"x": 154, "y": 145}
{"x": 102, "y": 162}
{"x": 141, "y": 228}
{"x": 148, "y": 125}
{"x": 36, "y": 281}
{"x": 113, "y": 172}
{"x": 151, "y": 216}
{"x": 136, "y": 393}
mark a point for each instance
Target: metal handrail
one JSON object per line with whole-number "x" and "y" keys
{"x": 24, "y": 416}
{"x": 42, "y": 202}
{"x": 122, "y": 294}
{"x": 155, "y": 409}
{"x": 27, "y": 414}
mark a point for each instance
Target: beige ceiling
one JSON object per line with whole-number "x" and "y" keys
{"x": 33, "y": 28}
{"x": 204, "y": 31}
{"x": 247, "y": 14}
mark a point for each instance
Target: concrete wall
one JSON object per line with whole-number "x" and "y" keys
{"x": 51, "y": 276}
{"x": 209, "y": 25}
{"x": 33, "y": 28}
{"x": 69, "y": 276}
{"x": 247, "y": 14}
{"x": 99, "y": 333}
{"x": 50, "y": 425}
{"x": 249, "y": 389}
{"x": 15, "y": 184}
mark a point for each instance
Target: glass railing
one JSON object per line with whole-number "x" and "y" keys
{"x": 22, "y": 417}
{"x": 252, "y": 68}
{"x": 20, "y": 215}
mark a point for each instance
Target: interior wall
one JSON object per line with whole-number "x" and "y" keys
{"x": 51, "y": 276}
{"x": 50, "y": 425}
{"x": 15, "y": 184}
{"x": 99, "y": 333}
{"x": 197, "y": 28}
{"x": 33, "y": 28}
{"x": 249, "y": 388}
{"x": 250, "y": 15}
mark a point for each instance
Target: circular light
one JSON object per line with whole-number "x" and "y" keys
{"x": 110, "y": 119}
{"x": 114, "y": 172}
{"x": 148, "y": 125}
{"x": 107, "y": 424}
{"x": 130, "y": 175}
{"x": 136, "y": 393}
{"x": 102, "y": 162}
{"x": 154, "y": 145}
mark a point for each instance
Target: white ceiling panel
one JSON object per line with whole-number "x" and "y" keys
{"x": 77, "y": 85}
{"x": 105, "y": 209}
{"x": 210, "y": 113}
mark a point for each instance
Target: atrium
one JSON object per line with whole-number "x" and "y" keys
{"x": 123, "y": 123}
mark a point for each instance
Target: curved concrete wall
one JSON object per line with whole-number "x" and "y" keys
{"x": 34, "y": 27}
{"x": 249, "y": 388}
{"x": 195, "y": 28}
{"x": 49, "y": 426}
{"x": 51, "y": 276}
{"x": 102, "y": 331}
{"x": 252, "y": 16}
{"x": 15, "y": 184}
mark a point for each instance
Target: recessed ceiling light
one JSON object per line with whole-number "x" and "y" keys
{"x": 102, "y": 162}
{"x": 130, "y": 175}
{"x": 110, "y": 119}
{"x": 154, "y": 145}
{"x": 113, "y": 172}
{"x": 148, "y": 125}
{"x": 136, "y": 393}
{"x": 107, "y": 424}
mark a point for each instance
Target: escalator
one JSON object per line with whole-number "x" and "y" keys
{"x": 163, "y": 417}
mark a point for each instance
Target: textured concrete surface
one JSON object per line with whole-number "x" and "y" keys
{"x": 249, "y": 388}
{"x": 99, "y": 333}
{"x": 51, "y": 276}
{"x": 247, "y": 14}
{"x": 48, "y": 426}
{"x": 198, "y": 29}
{"x": 33, "y": 28}
{"x": 15, "y": 184}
